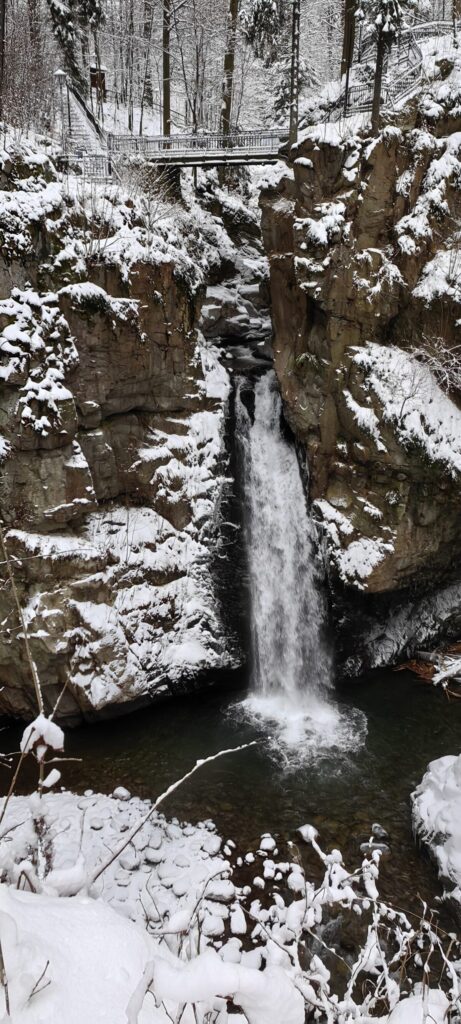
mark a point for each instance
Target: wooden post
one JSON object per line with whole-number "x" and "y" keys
{"x": 166, "y": 67}
{"x": 294, "y": 80}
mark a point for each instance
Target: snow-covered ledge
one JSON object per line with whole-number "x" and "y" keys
{"x": 437, "y": 821}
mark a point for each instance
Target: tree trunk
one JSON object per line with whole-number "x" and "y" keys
{"x": 33, "y": 7}
{"x": 294, "y": 79}
{"x": 229, "y": 67}
{"x": 376, "y": 107}
{"x": 348, "y": 37}
{"x": 166, "y": 67}
{"x": 131, "y": 66}
{"x": 148, "y": 96}
{"x": 2, "y": 54}
{"x": 456, "y": 13}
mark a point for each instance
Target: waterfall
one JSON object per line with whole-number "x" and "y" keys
{"x": 291, "y": 665}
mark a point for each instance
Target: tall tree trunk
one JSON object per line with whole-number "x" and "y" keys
{"x": 131, "y": 66}
{"x": 229, "y": 67}
{"x": 33, "y": 7}
{"x": 376, "y": 107}
{"x": 294, "y": 78}
{"x": 148, "y": 96}
{"x": 456, "y": 14}
{"x": 348, "y": 36}
{"x": 2, "y": 54}
{"x": 166, "y": 67}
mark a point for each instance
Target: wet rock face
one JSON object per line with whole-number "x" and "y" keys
{"x": 113, "y": 460}
{"x": 359, "y": 240}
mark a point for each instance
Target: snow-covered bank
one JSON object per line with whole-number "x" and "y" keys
{"x": 437, "y": 821}
{"x": 169, "y": 930}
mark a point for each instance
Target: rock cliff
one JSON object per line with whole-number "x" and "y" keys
{"x": 112, "y": 415}
{"x": 362, "y": 236}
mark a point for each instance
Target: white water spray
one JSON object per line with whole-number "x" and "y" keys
{"x": 291, "y": 676}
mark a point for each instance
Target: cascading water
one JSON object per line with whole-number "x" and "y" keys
{"x": 291, "y": 672}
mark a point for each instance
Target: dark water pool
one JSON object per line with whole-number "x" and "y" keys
{"x": 341, "y": 793}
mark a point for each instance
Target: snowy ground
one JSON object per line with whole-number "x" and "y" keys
{"x": 166, "y": 933}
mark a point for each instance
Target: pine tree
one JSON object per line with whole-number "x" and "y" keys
{"x": 263, "y": 21}
{"x": 69, "y": 19}
{"x": 386, "y": 17}
{"x": 90, "y": 14}
{"x": 273, "y": 33}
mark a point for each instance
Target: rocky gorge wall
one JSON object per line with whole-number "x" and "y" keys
{"x": 362, "y": 239}
{"x": 112, "y": 421}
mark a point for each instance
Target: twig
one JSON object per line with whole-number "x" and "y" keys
{"x": 4, "y": 981}
{"x": 15, "y": 776}
{"x": 37, "y": 983}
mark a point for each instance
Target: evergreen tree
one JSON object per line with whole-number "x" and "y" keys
{"x": 267, "y": 26}
{"x": 69, "y": 20}
{"x": 263, "y": 21}
{"x": 386, "y": 17}
{"x": 90, "y": 14}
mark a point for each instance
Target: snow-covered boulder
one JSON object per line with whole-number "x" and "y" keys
{"x": 232, "y": 312}
{"x": 437, "y": 821}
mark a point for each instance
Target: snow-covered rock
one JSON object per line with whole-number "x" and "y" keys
{"x": 437, "y": 821}
{"x": 362, "y": 236}
{"x": 113, "y": 456}
{"x": 72, "y": 960}
{"x": 232, "y": 312}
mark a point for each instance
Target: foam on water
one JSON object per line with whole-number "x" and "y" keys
{"x": 310, "y": 732}
{"x": 291, "y": 661}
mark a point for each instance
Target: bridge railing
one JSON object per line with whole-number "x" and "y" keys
{"x": 421, "y": 30}
{"x": 359, "y": 97}
{"x": 251, "y": 141}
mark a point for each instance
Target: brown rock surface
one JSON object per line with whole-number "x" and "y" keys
{"x": 351, "y": 232}
{"x": 112, "y": 423}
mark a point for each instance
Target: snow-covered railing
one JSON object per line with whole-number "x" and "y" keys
{"x": 95, "y": 166}
{"x": 422, "y": 30}
{"x": 359, "y": 99}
